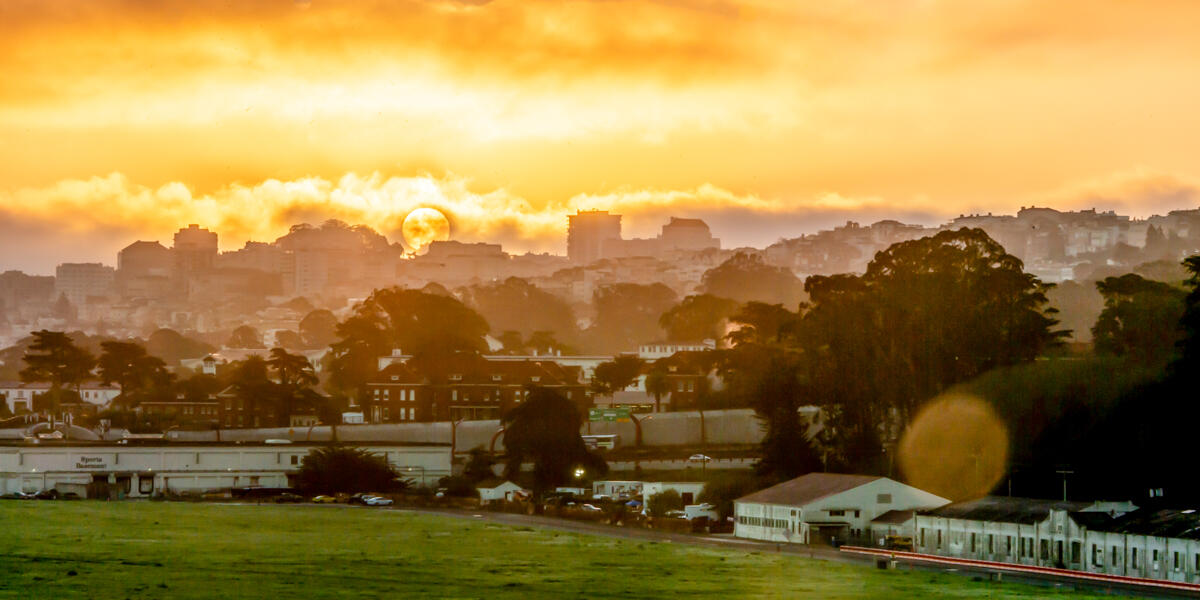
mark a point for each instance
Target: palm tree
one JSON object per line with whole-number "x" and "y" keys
{"x": 658, "y": 386}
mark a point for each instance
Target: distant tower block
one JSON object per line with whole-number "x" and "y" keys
{"x": 195, "y": 249}
{"x": 586, "y": 233}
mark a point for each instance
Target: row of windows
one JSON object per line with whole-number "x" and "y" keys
{"x": 763, "y": 522}
{"x": 1027, "y": 545}
{"x": 404, "y": 414}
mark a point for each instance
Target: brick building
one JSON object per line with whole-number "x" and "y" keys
{"x": 465, "y": 387}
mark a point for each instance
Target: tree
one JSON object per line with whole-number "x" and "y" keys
{"x": 544, "y": 430}
{"x": 1140, "y": 319}
{"x": 296, "y": 378}
{"x": 658, "y": 505}
{"x": 697, "y": 317}
{"x": 517, "y": 305}
{"x": 420, "y": 324}
{"x": 617, "y": 374}
{"x": 172, "y": 346}
{"x": 318, "y": 329}
{"x": 245, "y": 336}
{"x": 286, "y": 338}
{"x": 777, "y": 394}
{"x": 333, "y": 470}
{"x": 129, "y": 365}
{"x": 657, "y": 385}
{"x": 927, "y": 314}
{"x": 763, "y": 323}
{"x": 55, "y": 359}
{"x": 625, "y": 313}
{"x": 746, "y": 277}
{"x": 479, "y": 465}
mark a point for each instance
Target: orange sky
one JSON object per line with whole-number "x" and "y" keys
{"x": 129, "y": 118}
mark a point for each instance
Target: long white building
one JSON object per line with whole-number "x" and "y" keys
{"x": 146, "y": 470}
{"x": 1114, "y": 538}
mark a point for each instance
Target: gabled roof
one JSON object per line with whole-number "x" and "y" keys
{"x": 808, "y": 488}
{"x": 1005, "y": 509}
{"x": 493, "y": 483}
{"x": 894, "y": 517}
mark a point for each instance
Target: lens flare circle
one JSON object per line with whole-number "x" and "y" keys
{"x": 424, "y": 226}
{"x": 956, "y": 447}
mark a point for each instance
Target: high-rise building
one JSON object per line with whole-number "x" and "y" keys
{"x": 195, "y": 250}
{"x": 587, "y": 231}
{"x": 81, "y": 282}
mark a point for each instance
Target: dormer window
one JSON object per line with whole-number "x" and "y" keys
{"x": 456, "y": 377}
{"x": 495, "y": 378}
{"x": 535, "y": 378}
{"x": 395, "y": 378}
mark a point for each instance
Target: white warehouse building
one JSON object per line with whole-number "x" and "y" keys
{"x": 141, "y": 470}
{"x": 1111, "y": 538}
{"x": 825, "y": 507}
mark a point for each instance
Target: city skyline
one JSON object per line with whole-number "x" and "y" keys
{"x": 765, "y": 121}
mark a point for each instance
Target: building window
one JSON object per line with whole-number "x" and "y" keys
{"x": 295, "y": 459}
{"x": 1045, "y": 547}
{"x": 1133, "y": 558}
{"x": 837, "y": 513}
{"x": 1113, "y": 556}
{"x": 991, "y": 544}
{"x": 1008, "y": 545}
{"x": 456, "y": 377}
{"x": 1175, "y": 560}
{"x": 883, "y": 499}
{"x": 972, "y": 541}
{"x": 496, "y": 378}
{"x": 1075, "y": 549}
{"x": 454, "y": 395}
{"x": 921, "y": 539}
{"x": 146, "y": 484}
{"x": 395, "y": 378}
{"x": 939, "y": 539}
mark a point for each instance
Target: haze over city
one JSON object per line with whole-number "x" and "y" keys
{"x": 768, "y": 121}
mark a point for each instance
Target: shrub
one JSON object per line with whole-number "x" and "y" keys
{"x": 667, "y": 500}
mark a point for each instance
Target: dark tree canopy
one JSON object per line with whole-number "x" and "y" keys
{"x": 333, "y": 470}
{"x": 318, "y": 329}
{"x": 698, "y": 317}
{"x": 616, "y": 374}
{"x": 544, "y": 430}
{"x": 626, "y": 314}
{"x": 748, "y": 278}
{"x": 1140, "y": 319}
{"x": 517, "y": 305}
{"x": 129, "y": 365}
{"x": 245, "y": 336}
{"x": 417, "y": 323}
{"x": 172, "y": 346}
{"x": 55, "y": 359}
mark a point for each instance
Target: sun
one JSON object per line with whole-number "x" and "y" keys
{"x": 423, "y": 226}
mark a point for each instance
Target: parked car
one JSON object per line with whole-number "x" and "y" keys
{"x": 591, "y": 508}
{"x": 323, "y": 499}
{"x": 50, "y": 494}
{"x": 377, "y": 501}
{"x": 286, "y": 498}
{"x": 359, "y": 498}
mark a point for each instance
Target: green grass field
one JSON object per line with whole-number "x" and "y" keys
{"x": 179, "y": 550}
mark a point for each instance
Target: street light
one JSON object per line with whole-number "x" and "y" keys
{"x": 579, "y": 472}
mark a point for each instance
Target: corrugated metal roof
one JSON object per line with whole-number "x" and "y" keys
{"x": 1004, "y": 509}
{"x": 1172, "y": 523}
{"x": 808, "y": 488}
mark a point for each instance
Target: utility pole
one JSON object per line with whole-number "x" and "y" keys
{"x": 1064, "y": 474}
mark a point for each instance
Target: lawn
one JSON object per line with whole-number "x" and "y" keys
{"x": 179, "y": 550}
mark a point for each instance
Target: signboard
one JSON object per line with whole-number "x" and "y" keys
{"x": 609, "y": 415}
